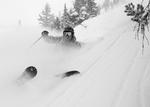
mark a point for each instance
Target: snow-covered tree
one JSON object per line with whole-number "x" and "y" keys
{"x": 78, "y": 4}
{"x": 85, "y": 9}
{"x": 73, "y": 17}
{"x": 46, "y": 18}
{"x": 91, "y": 8}
{"x": 66, "y": 17}
{"x": 57, "y": 24}
{"x": 83, "y": 14}
{"x": 81, "y": 11}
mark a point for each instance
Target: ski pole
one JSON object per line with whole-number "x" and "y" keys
{"x": 36, "y": 41}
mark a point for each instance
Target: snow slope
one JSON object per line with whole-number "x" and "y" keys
{"x": 114, "y": 73}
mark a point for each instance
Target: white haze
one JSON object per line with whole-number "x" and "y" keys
{"x": 114, "y": 73}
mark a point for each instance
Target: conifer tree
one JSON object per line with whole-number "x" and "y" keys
{"x": 67, "y": 18}
{"x": 91, "y": 8}
{"x": 85, "y": 9}
{"x": 57, "y": 24}
{"x": 78, "y": 4}
{"x": 46, "y": 18}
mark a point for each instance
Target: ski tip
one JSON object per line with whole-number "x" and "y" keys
{"x": 71, "y": 73}
{"x": 68, "y": 74}
{"x": 28, "y": 74}
{"x": 45, "y": 32}
{"x": 31, "y": 71}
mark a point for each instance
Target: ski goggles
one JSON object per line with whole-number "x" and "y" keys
{"x": 67, "y": 33}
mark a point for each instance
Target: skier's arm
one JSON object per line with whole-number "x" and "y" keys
{"x": 49, "y": 38}
{"x": 52, "y": 39}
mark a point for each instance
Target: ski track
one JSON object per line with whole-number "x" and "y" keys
{"x": 52, "y": 95}
{"x": 126, "y": 53}
{"x": 136, "y": 72}
{"x": 123, "y": 79}
{"x": 110, "y": 52}
{"x": 144, "y": 89}
{"x": 111, "y": 43}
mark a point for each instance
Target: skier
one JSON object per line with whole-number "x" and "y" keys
{"x": 67, "y": 39}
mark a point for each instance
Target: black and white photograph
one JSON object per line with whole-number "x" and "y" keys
{"x": 74, "y": 53}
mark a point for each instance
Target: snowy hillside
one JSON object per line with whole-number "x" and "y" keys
{"x": 114, "y": 73}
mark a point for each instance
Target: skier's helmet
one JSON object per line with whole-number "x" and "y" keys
{"x": 69, "y": 29}
{"x": 68, "y": 34}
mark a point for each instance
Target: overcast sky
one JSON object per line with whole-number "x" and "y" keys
{"x": 26, "y": 10}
